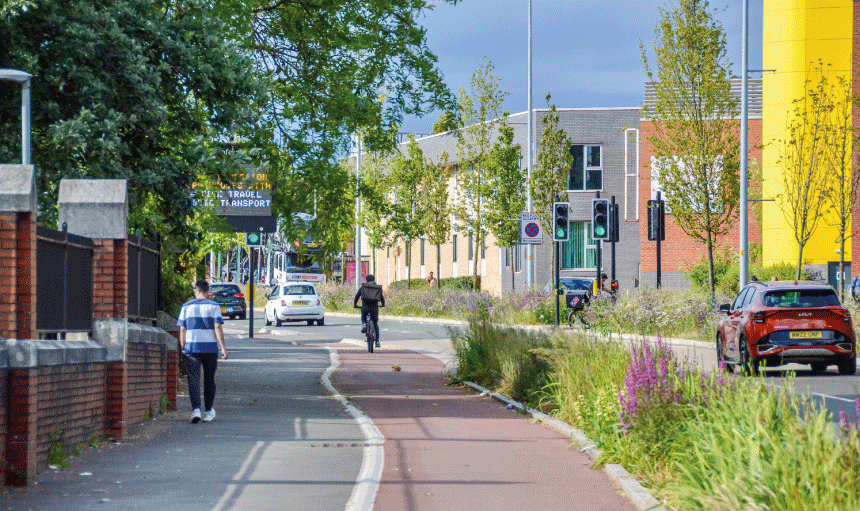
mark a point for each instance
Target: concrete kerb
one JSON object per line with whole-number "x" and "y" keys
{"x": 369, "y": 477}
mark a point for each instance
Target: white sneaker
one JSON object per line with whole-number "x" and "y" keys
{"x": 210, "y": 416}
{"x": 195, "y": 416}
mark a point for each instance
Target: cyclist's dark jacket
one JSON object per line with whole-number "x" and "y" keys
{"x": 369, "y": 305}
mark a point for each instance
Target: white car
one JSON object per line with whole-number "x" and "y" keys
{"x": 294, "y": 301}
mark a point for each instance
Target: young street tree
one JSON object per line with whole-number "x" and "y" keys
{"x": 695, "y": 139}
{"x": 805, "y": 159}
{"x": 843, "y": 188}
{"x": 507, "y": 200}
{"x": 480, "y": 115}
{"x": 407, "y": 172}
{"x": 437, "y": 210}
{"x": 375, "y": 200}
{"x": 549, "y": 177}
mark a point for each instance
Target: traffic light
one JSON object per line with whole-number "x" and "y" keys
{"x": 561, "y": 221}
{"x": 656, "y": 220}
{"x": 253, "y": 239}
{"x": 600, "y": 219}
{"x": 616, "y": 230}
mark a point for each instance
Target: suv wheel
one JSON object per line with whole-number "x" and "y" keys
{"x": 848, "y": 367}
{"x": 749, "y": 365}
{"x": 321, "y": 322}
{"x": 721, "y": 355}
{"x": 818, "y": 367}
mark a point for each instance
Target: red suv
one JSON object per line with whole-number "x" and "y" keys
{"x": 778, "y": 323}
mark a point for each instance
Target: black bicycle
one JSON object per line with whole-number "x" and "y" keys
{"x": 371, "y": 332}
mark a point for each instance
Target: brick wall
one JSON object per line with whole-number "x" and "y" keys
{"x": 147, "y": 379}
{"x": 70, "y": 406}
{"x": 678, "y": 249}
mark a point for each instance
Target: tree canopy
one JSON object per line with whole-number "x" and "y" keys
{"x": 141, "y": 90}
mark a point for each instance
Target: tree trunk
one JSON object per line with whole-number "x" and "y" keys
{"x": 711, "y": 288}
{"x": 842, "y": 266}
{"x": 513, "y": 270}
{"x": 799, "y": 260}
{"x": 476, "y": 255}
{"x": 408, "y": 263}
{"x": 438, "y": 266}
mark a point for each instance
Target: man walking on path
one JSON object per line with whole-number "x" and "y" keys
{"x": 201, "y": 332}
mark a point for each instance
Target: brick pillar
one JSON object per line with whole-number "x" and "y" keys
{"x": 21, "y": 439}
{"x": 17, "y": 275}
{"x": 116, "y": 400}
{"x": 110, "y": 279}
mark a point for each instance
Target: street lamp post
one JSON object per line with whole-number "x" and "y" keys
{"x": 530, "y": 275}
{"x": 24, "y": 79}
{"x": 743, "y": 260}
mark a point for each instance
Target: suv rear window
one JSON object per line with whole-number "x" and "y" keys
{"x": 216, "y": 290}
{"x": 801, "y": 298}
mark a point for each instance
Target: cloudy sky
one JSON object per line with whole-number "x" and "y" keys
{"x": 584, "y": 52}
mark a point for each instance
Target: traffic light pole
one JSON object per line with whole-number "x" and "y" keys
{"x": 599, "y": 259}
{"x": 659, "y": 236}
{"x": 614, "y": 235}
{"x": 251, "y": 294}
{"x": 557, "y": 283}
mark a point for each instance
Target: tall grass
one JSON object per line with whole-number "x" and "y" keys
{"x": 702, "y": 441}
{"x": 501, "y": 358}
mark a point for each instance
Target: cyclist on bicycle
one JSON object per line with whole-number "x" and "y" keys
{"x": 371, "y": 299}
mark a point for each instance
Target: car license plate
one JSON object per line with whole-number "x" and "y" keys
{"x": 223, "y": 310}
{"x": 305, "y": 302}
{"x": 805, "y": 334}
{"x": 229, "y": 309}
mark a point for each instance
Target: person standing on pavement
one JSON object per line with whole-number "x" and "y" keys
{"x": 371, "y": 299}
{"x": 201, "y": 334}
{"x": 431, "y": 280}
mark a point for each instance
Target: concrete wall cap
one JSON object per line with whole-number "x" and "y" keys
{"x": 18, "y": 189}
{"x": 95, "y": 191}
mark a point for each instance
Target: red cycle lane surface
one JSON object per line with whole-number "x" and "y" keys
{"x": 446, "y": 448}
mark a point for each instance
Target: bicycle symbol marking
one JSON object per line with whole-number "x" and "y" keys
{"x": 532, "y": 229}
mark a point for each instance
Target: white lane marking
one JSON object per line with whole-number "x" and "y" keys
{"x": 231, "y": 488}
{"x": 367, "y": 483}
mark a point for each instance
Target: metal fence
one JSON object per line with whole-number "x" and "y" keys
{"x": 143, "y": 279}
{"x": 64, "y": 282}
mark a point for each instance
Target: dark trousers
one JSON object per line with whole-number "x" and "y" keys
{"x": 193, "y": 362}
{"x": 374, "y": 316}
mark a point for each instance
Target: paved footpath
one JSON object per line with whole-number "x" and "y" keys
{"x": 447, "y": 448}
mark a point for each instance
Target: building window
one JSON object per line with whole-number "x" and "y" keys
{"x": 471, "y": 249}
{"x": 422, "y": 251}
{"x": 581, "y": 251}
{"x": 586, "y": 172}
{"x": 508, "y": 256}
{"x": 455, "y": 248}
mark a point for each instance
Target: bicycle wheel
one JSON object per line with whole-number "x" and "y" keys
{"x": 371, "y": 334}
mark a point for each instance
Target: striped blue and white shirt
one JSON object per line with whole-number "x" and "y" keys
{"x": 199, "y": 316}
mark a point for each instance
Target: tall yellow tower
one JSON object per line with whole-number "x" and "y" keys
{"x": 797, "y": 33}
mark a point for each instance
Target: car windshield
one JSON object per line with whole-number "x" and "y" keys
{"x": 299, "y": 290}
{"x": 801, "y": 298}
{"x": 575, "y": 284}
{"x": 217, "y": 290}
